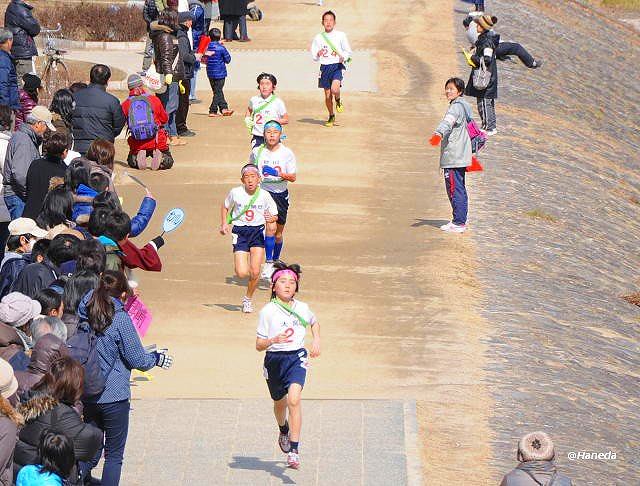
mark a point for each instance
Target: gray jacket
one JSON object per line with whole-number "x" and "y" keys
{"x": 455, "y": 148}
{"x": 21, "y": 151}
{"x": 535, "y": 473}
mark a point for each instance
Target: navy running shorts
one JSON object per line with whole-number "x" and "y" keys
{"x": 245, "y": 237}
{"x": 329, "y": 72}
{"x": 282, "y": 202}
{"x": 281, "y": 368}
{"x": 256, "y": 141}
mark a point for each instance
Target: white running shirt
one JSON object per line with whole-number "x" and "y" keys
{"x": 282, "y": 158}
{"x": 327, "y": 56}
{"x": 238, "y": 198}
{"x": 274, "y": 320}
{"x": 275, "y": 110}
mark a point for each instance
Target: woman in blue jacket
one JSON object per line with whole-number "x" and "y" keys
{"x": 119, "y": 350}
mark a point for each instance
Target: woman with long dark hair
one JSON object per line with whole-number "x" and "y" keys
{"x": 51, "y": 407}
{"x": 56, "y": 208}
{"x": 75, "y": 289}
{"x": 61, "y": 107}
{"x": 119, "y": 350}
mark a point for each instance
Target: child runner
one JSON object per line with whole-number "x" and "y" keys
{"x": 332, "y": 49}
{"x": 455, "y": 152}
{"x": 281, "y": 332}
{"x": 247, "y": 208}
{"x": 263, "y": 107}
{"x": 277, "y": 164}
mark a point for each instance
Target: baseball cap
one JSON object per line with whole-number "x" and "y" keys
{"x": 41, "y": 113}
{"x": 26, "y": 226}
{"x": 17, "y": 309}
{"x": 8, "y": 382}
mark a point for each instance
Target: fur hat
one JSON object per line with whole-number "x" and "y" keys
{"x": 536, "y": 446}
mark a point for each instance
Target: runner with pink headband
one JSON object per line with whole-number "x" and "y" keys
{"x": 282, "y": 329}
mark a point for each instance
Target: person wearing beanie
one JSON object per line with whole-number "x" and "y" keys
{"x": 29, "y": 95}
{"x": 10, "y": 421}
{"x": 17, "y": 310}
{"x": 485, "y": 51}
{"x": 188, "y": 57}
{"x": 536, "y": 454}
{"x": 152, "y": 140}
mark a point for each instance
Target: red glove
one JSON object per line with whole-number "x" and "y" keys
{"x": 435, "y": 139}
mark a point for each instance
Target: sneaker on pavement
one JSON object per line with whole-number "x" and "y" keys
{"x": 456, "y": 228}
{"x": 187, "y": 133}
{"x": 339, "y": 106}
{"x": 283, "y": 442}
{"x": 267, "y": 270}
{"x": 445, "y": 227}
{"x": 537, "y": 63}
{"x": 293, "y": 460}
{"x": 330, "y": 121}
{"x": 491, "y": 133}
{"x": 247, "y": 306}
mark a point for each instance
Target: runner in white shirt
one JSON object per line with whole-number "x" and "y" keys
{"x": 263, "y": 107}
{"x": 277, "y": 164}
{"x": 247, "y": 208}
{"x": 331, "y": 48}
{"x": 282, "y": 328}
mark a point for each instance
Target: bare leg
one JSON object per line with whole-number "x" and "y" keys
{"x": 241, "y": 263}
{"x": 279, "y": 230}
{"x": 328, "y": 101}
{"x": 335, "y": 89}
{"x": 295, "y": 411}
{"x": 280, "y": 411}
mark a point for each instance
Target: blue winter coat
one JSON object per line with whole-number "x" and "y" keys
{"x": 8, "y": 82}
{"x": 20, "y": 21}
{"x": 119, "y": 350}
{"x": 32, "y": 475}
{"x": 217, "y": 59}
{"x": 84, "y": 207}
{"x": 198, "y": 26}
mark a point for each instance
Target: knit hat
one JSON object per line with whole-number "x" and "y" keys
{"x": 8, "y": 382}
{"x": 31, "y": 82}
{"x": 184, "y": 16}
{"x": 487, "y": 21}
{"x": 17, "y": 309}
{"x": 536, "y": 446}
{"x": 134, "y": 81}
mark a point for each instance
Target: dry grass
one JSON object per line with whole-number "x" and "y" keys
{"x": 633, "y": 298}
{"x": 79, "y": 70}
{"x": 540, "y": 214}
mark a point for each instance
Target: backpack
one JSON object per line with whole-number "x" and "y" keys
{"x": 140, "y": 120}
{"x": 82, "y": 348}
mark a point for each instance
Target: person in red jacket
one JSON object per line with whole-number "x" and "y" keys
{"x": 146, "y": 138}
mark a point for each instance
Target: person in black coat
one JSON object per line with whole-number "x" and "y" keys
{"x": 230, "y": 12}
{"x": 485, "y": 50}
{"x": 189, "y": 59}
{"x": 19, "y": 19}
{"x": 51, "y": 406}
{"x": 42, "y": 170}
{"x": 97, "y": 114}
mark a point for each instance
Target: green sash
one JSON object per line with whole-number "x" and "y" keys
{"x": 288, "y": 309}
{"x": 230, "y": 219}
{"x": 333, "y": 48}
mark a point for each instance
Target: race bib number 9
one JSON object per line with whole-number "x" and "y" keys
{"x": 249, "y": 215}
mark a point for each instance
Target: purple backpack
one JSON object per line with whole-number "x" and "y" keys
{"x": 140, "y": 121}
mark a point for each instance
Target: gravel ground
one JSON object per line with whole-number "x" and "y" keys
{"x": 555, "y": 221}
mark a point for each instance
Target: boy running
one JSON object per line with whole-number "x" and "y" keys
{"x": 281, "y": 331}
{"x": 263, "y": 107}
{"x": 247, "y": 208}
{"x": 277, "y": 164}
{"x": 332, "y": 49}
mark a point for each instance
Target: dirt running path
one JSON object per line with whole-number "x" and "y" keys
{"x": 394, "y": 295}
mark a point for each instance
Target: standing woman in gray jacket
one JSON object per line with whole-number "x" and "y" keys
{"x": 455, "y": 152}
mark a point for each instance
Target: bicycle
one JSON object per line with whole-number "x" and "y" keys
{"x": 55, "y": 74}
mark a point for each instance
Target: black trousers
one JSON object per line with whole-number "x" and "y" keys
{"x": 514, "y": 49}
{"x": 183, "y": 107}
{"x": 218, "y": 102}
{"x": 231, "y": 23}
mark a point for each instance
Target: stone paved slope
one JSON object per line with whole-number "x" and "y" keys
{"x": 564, "y": 356}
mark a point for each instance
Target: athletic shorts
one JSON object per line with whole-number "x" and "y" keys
{"x": 256, "y": 141}
{"x": 282, "y": 368}
{"x": 328, "y": 73}
{"x": 282, "y": 202}
{"x": 245, "y": 237}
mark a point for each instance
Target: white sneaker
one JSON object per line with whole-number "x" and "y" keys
{"x": 456, "y": 228}
{"x": 247, "y": 306}
{"x": 293, "y": 460}
{"x": 267, "y": 270}
{"x": 445, "y": 227}
{"x": 491, "y": 133}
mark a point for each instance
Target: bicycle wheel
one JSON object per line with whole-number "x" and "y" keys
{"x": 55, "y": 77}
